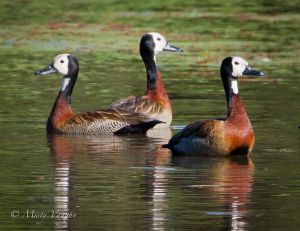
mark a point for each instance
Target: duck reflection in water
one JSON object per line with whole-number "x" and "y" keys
{"x": 157, "y": 174}
{"x": 231, "y": 183}
{"x": 62, "y": 152}
{"x": 105, "y": 149}
{"x": 227, "y": 180}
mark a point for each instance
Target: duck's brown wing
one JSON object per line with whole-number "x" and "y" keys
{"x": 108, "y": 121}
{"x": 138, "y": 104}
{"x": 198, "y": 129}
{"x": 124, "y": 102}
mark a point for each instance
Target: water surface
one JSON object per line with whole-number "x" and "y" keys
{"x": 129, "y": 183}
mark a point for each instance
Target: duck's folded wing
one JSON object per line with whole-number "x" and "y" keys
{"x": 198, "y": 129}
{"x": 124, "y": 102}
{"x": 108, "y": 121}
{"x": 138, "y": 104}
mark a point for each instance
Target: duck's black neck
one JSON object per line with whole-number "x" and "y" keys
{"x": 228, "y": 79}
{"x": 69, "y": 80}
{"x": 151, "y": 70}
{"x": 147, "y": 55}
{"x": 67, "y": 88}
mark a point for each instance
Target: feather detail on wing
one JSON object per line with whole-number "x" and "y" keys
{"x": 198, "y": 129}
{"x": 106, "y": 121}
{"x": 123, "y": 101}
{"x": 138, "y": 104}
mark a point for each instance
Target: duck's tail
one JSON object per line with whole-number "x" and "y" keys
{"x": 140, "y": 128}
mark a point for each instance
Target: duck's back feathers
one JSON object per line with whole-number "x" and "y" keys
{"x": 213, "y": 138}
{"x": 129, "y": 102}
{"x": 201, "y": 137}
{"x": 144, "y": 105}
{"x": 137, "y": 104}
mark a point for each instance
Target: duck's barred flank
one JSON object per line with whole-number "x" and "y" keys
{"x": 105, "y": 122}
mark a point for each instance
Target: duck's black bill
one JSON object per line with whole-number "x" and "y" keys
{"x": 250, "y": 71}
{"x": 172, "y": 48}
{"x": 48, "y": 70}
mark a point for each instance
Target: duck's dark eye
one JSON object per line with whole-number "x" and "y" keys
{"x": 158, "y": 39}
{"x": 62, "y": 61}
{"x": 236, "y": 63}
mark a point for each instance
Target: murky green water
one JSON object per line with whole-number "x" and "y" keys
{"x": 128, "y": 183}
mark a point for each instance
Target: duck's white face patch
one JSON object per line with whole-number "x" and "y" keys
{"x": 238, "y": 66}
{"x": 61, "y": 63}
{"x": 159, "y": 41}
{"x": 234, "y": 87}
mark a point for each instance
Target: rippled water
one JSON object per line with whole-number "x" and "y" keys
{"x": 129, "y": 182}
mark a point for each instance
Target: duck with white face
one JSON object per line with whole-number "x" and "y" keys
{"x": 155, "y": 103}
{"x": 66, "y": 65}
{"x": 221, "y": 137}
{"x": 155, "y": 42}
{"x": 238, "y": 67}
{"x": 63, "y": 120}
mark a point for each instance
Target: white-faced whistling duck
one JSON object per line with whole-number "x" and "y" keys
{"x": 111, "y": 121}
{"x": 220, "y": 137}
{"x": 155, "y": 102}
